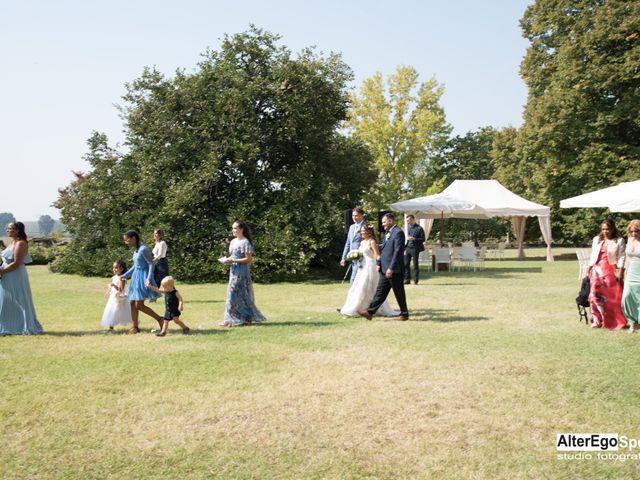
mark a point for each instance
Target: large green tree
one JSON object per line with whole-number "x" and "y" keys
{"x": 403, "y": 124}
{"x": 46, "y": 224}
{"x": 582, "y": 118}
{"x": 251, "y": 133}
{"x": 464, "y": 157}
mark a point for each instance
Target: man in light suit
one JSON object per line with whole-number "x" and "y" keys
{"x": 391, "y": 268}
{"x": 353, "y": 241}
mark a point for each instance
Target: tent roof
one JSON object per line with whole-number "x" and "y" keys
{"x": 439, "y": 205}
{"x": 489, "y": 197}
{"x": 624, "y": 197}
{"x": 496, "y": 200}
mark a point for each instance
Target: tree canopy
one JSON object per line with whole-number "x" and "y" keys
{"x": 582, "y": 118}
{"x": 46, "y": 224}
{"x": 252, "y": 133}
{"x": 403, "y": 124}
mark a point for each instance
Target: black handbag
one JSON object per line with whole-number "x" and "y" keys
{"x": 582, "y": 300}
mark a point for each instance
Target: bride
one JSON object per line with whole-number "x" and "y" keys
{"x": 364, "y": 286}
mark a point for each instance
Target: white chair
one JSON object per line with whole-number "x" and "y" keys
{"x": 468, "y": 257}
{"x": 424, "y": 258}
{"x": 456, "y": 254}
{"x": 583, "y": 255}
{"x": 500, "y": 251}
{"x": 443, "y": 256}
{"x": 482, "y": 254}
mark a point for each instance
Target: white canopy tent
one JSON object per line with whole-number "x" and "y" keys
{"x": 624, "y": 197}
{"x": 490, "y": 199}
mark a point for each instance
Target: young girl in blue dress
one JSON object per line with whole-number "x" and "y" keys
{"x": 140, "y": 272}
{"x": 240, "y": 308}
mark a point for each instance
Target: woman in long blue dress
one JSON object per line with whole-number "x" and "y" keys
{"x": 140, "y": 272}
{"x": 17, "y": 313}
{"x": 631, "y": 292}
{"x": 240, "y": 308}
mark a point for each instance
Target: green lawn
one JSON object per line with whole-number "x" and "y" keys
{"x": 491, "y": 366}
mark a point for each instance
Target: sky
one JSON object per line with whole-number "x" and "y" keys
{"x": 64, "y": 65}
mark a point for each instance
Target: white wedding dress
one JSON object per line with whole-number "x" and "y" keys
{"x": 364, "y": 287}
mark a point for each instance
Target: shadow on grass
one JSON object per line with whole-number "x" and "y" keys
{"x": 441, "y": 316}
{"x": 87, "y": 333}
{"x": 204, "y": 301}
{"x": 143, "y": 332}
{"x": 296, "y": 323}
{"x": 508, "y": 272}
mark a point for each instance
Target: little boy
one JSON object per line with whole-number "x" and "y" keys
{"x": 173, "y": 305}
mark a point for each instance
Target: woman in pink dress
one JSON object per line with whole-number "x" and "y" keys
{"x": 605, "y": 271}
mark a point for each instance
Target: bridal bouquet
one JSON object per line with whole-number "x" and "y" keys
{"x": 354, "y": 255}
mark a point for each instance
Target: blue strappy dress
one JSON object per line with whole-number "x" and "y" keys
{"x": 17, "y": 313}
{"x": 140, "y": 272}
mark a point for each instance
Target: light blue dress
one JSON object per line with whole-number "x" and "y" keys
{"x": 17, "y": 313}
{"x": 140, "y": 272}
{"x": 240, "y": 308}
{"x": 631, "y": 292}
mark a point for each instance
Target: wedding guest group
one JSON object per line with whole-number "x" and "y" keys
{"x": 17, "y": 313}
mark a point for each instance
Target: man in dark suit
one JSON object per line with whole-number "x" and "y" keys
{"x": 391, "y": 268}
{"x": 415, "y": 245}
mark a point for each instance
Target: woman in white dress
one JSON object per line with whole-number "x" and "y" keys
{"x": 366, "y": 281}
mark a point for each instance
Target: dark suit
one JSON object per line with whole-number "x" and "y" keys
{"x": 412, "y": 252}
{"x": 391, "y": 257}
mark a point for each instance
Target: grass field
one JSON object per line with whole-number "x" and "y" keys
{"x": 476, "y": 385}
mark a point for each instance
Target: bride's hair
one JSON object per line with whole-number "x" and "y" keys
{"x": 370, "y": 231}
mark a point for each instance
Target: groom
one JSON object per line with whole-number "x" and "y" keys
{"x": 391, "y": 268}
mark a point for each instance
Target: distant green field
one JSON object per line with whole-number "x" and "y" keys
{"x": 476, "y": 385}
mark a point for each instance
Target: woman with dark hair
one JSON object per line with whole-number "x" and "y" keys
{"x": 140, "y": 272}
{"x": 240, "y": 308}
{"x": 17, "y": 313}
{"x": 606, "y": 266}
{"x": 365, "y": 284}
{"x": 160, "y": 264}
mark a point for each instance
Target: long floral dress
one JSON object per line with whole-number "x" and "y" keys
{"x": 606, "y": 294}
{"x": 240, "y": 308}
